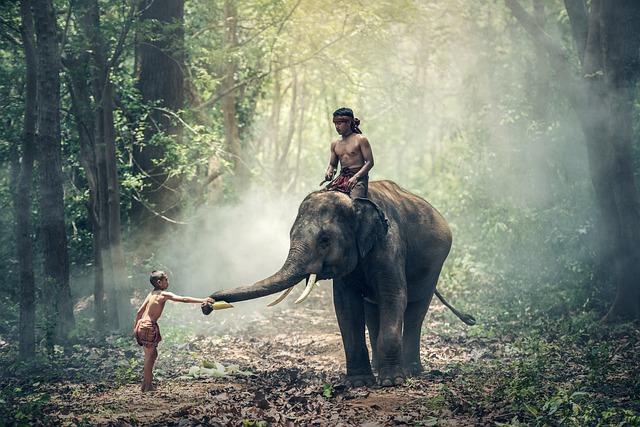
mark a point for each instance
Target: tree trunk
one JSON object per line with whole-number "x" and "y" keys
{"x": 603, "y": 102}
{"x": 114, "y": 226}
{"x": 85, "y": 123}
{"x": 606, "y": 118}
{"x": 108, "y": 245}
{"x": 160, "y": 55}
{"x": 229, "y": 100}
{"x": 540, "y": 71}
{"x": 301, "y": 127}
{"x": 577, "y": 12}
{"x": 22, "y": 195}
{"x": 52, "y": 227}
{"x": 293, "y": 109}
{"x": 274, "y": 120}
{"x": 621, "y": 59}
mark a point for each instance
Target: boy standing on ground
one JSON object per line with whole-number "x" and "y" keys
{"x": 146, "y": 327}
{"x": 355, "y": 156}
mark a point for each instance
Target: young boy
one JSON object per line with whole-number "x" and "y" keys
{"x": 146, "y": 327}
{"x": 354, "y": 153}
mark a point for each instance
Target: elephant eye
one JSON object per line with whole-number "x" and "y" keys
{"x": 324, "y": 240}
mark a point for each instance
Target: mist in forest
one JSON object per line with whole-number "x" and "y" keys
{"x": 233, "y": 245}
{"x": 458, "y": 104}
{"x": 459, "y": 108}
{"x": 454, "y": 111}
{"x": 183, "y": 135}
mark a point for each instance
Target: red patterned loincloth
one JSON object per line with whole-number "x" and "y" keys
{"x": 341, "y": 183}
{"x": 148, "y": 333}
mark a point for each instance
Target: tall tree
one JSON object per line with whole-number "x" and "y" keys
{"x": 160, "y": 57}
{"x": 95, "y": 118}
{"x": 540, "y": 71}
{"x": 22, "y": 194}
{"x": 609, "y": 49}
{"x": 78, "y": 76}
{"x": 59, "y": 316}
{"x": 229, "y": 101}
{"x": 291, "y": 118}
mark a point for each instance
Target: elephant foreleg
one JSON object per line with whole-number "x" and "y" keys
{"x": 350, "y": 313}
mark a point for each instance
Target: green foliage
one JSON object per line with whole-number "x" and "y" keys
{"x": 27, "y": 408}
{"x": 450, "y": 94}
{"x": 128, "y": 371}
{"x": 327, "y": 390}
{"x": 569, "y": 371}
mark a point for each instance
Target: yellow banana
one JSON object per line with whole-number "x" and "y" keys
{"x": 220, "y": 305}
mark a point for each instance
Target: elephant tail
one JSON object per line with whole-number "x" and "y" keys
{"x": 466, "y": 318}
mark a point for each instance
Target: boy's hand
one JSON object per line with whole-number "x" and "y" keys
{"x": 207, "y": 306}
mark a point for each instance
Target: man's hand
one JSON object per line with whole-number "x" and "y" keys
{"x": 209, "y": 300}
{"x": 352, "y": 182}
{"x": 328, "y": 177}
{"x": 330, "y": 173}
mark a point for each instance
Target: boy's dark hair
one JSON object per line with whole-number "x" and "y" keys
{"x": 155, "y": 277}
{"x": 344, "y": 111}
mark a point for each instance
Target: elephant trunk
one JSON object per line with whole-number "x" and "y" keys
{"x": 289, "y": 275}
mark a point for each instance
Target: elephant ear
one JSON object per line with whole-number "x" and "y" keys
{"x": 371, "y": 226}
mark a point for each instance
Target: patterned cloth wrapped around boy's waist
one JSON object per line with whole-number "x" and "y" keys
{"x": 148, "y": 332}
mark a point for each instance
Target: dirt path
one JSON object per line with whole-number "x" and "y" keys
{"x": 282, "y": 366}
{"x": 292, "y": 364}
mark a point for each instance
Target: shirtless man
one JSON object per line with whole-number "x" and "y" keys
{"x": 146, "y": 327}
{"x": 355, "y": 156}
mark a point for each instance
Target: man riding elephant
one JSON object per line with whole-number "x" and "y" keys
{"x": 384, "y": 254}
{"x": 354, "y": 152}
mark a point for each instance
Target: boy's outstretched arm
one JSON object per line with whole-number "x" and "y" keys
{"x": 173, "y": 297}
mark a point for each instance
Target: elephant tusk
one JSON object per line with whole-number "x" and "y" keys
{"x": 308, "y": 289}
{"x": 281, "y": 297}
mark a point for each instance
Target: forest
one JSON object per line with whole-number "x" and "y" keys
{"x": 187, "y": 136}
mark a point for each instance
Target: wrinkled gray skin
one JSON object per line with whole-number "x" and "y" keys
{"x": 384, "y": 273}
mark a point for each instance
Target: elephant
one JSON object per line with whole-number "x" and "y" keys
{"x": 384, "y": 254}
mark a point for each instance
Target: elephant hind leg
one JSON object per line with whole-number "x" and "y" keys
{"x": 372, "y": 318}
{"x": 413, "y": 318}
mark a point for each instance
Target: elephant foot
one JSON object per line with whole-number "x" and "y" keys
{"x": 359, "y": 381}
{"x": 413, "y": 369}
{"x": 390, "y": 377}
